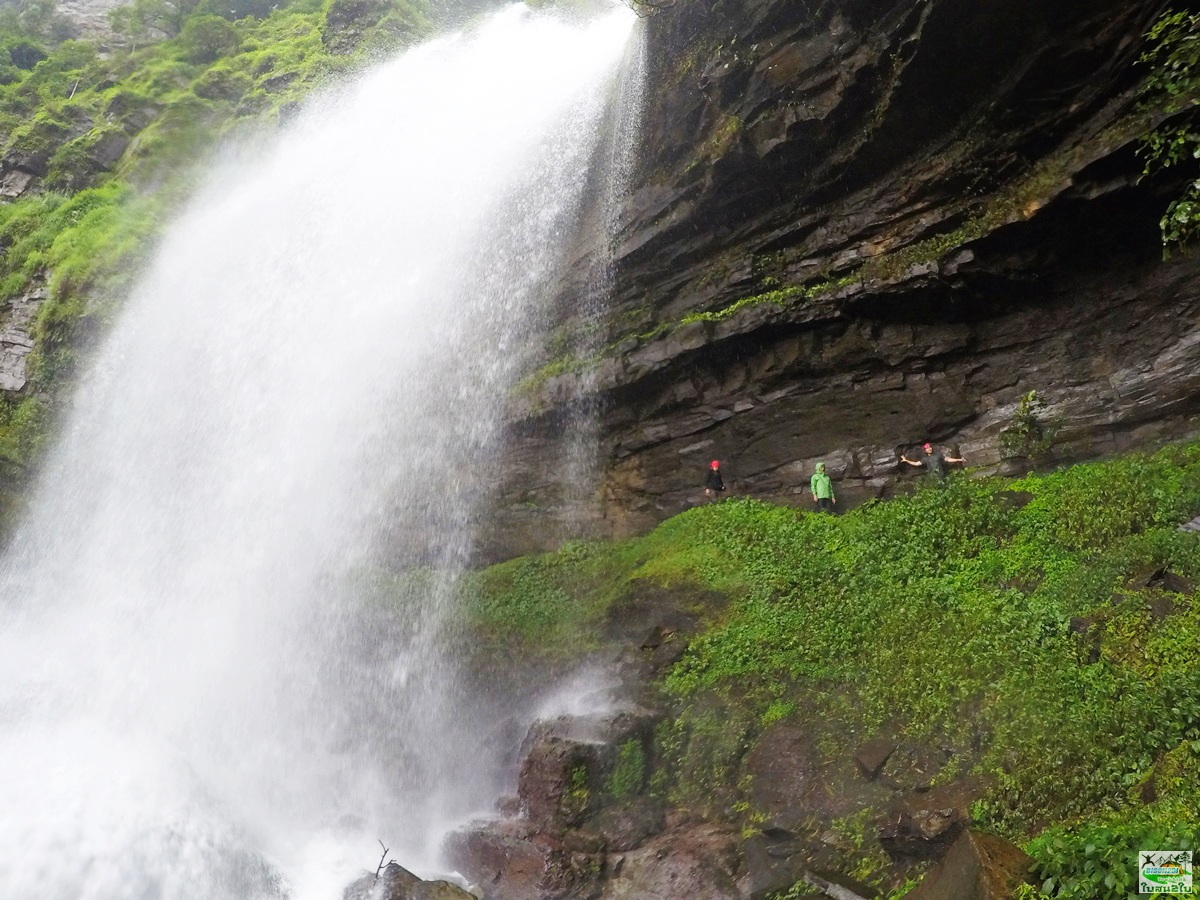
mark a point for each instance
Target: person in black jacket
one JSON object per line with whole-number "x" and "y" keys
{"x": 934, "y": 462}
{"x": 714, "y": 484}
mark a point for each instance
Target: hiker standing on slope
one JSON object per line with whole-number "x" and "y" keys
{"x": 714, "y": 484}
{"x": 821, "y": 486}
{"x": 934, "y": 462}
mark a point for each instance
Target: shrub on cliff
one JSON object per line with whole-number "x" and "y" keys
{"x": 1173, "y": 85}
{"x": 205, "y": 39}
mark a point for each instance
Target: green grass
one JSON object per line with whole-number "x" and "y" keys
{"x": 946, "y": 613}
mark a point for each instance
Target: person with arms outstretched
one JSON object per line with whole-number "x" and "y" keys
{"x": 934, "y": 462}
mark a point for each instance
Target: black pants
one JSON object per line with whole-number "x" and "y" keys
{"x": 825, "y": 505}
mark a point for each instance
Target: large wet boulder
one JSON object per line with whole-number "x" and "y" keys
{"x": 569, "y": 763}
{"x": 978, "y": 867}
{"x": 699, "y": 862}
{"x": 924, "y": 824}
{"x": 394, "y": 882}
{"x": 517, "y": 860}
{"x": 580, "y": 796}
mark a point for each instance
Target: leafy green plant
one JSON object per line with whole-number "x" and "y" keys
{"x": 1173, "y": 84}
{"x": 1099, "y": 861}
{"x": 1030, "y": 434}
{"x": 629, "y": 771}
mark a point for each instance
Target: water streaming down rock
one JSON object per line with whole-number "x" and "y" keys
{"x": 200, "y": 694}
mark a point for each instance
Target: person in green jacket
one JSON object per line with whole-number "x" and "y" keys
{"x": 822, "y": 490}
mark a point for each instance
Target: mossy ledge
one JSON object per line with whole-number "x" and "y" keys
{"x": 885, "y": 271}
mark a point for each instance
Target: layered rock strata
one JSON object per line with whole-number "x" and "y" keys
{"x": 855, "y": 227}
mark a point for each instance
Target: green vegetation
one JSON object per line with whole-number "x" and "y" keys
{"x": 1173, "y": 85}
{"x": 947, "y": 614}
{"x": 1030, "y": 434}
{"x": 629, "y": 773}
{"x": 578, "y": 800}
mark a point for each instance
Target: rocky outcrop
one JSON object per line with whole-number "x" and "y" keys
{"x": 594, "y": 815}
{"x": 978, "y": 867}
{"x": 88, "y": 18}
{"x": 394, "y": 882}
{"x": 857, "y": 226}
{"x": 581, "y": 803}
{"x": 16, "y": 338}
{"x": 698, "y": 862}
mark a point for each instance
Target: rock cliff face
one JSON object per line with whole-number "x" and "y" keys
{"x": 855, "y": 226}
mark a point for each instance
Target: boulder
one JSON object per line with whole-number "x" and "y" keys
{"x": 1177, "y": 584}
{"x": 1160, "y": 606}
{"x": 978, "y": 867}
{"x": 697, "y": 863}
{"x": 395, "y": 882}
{"x": 873, "y": 755}
{"x": 15, "y": 182}
{"x": 923, "y": 832}
{"x": 568, "y": 761}
{"x": 912, "y": 767}
{"x": 626, "y": 826}
{"x": 924, "y": 825}
{"x": 787, "y": 778}
{"x": 108, "y": 149}
{"x": 515, "y": 860}
{"x": 772, "y": 861}
{"x": 557, "y": 780}
{"x": 1162, "y": 578}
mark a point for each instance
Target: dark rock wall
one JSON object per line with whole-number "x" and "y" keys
{"x": 945, "y": 200}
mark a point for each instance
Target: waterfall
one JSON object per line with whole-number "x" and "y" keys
{"x": 211, "y": 686}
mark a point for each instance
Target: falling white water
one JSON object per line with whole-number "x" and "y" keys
{"x": 206, "y": 689}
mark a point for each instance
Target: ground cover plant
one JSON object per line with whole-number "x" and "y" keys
{"x": 1017, "y": 617}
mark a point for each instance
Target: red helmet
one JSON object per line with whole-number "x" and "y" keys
{"x": 927, "y": 447}
{"x": 715, "y": 464}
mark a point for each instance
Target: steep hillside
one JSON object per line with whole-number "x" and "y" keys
{"x": 848, "y": 694}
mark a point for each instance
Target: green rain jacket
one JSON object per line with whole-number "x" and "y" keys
{"x": 822, "y": 484}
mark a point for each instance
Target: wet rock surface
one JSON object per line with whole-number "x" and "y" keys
{"x": 872, "y": 756}
{"x": 924, "y": 824}
{"x": 595, "y": 817}
{"x": 978, "y": 867}
{"x": 16, "y": 338}
{"x": 394, "y": 882}
{"x": 580, "y": 800}
{"x": 698, "y": 862}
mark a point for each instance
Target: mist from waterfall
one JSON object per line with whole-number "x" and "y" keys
{"x": 212, "y": 685}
